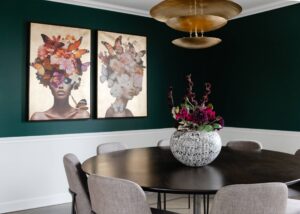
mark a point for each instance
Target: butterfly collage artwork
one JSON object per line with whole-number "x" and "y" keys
{"x": 122, "y": 72}
{"x": 60, "y": 74}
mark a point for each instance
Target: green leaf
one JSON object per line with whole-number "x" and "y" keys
{"x": 217, "y": 126}
{"x": 208, "y": 128}
{"x": 210, "y": 106}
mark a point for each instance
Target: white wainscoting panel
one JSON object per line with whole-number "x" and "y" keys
{"x": 282, "y": 141}
{"x": 32, "y": 173}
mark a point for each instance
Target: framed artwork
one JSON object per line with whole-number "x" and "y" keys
{"x": 59, "y": 72}
{"x": 122, "y": 75}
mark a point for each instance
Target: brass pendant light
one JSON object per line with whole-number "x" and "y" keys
{"x": 196, "y": 42}
{"x": 201, "y": 23}
{"x": 195, "y": 16}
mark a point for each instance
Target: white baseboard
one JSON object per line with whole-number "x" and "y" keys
{"x": 32, "y": 173}
{"x": 35, "y": 202}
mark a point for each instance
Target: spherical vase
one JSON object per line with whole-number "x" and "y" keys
{"x": 195, "y": 148}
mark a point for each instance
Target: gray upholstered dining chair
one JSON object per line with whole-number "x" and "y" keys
{"x": 267, "y": 198}
{"x": 118, "y": 196}
{"x": 297, "y": 153}
{"x": 294, "y": 190}
{"x": 77, "y": 185}
{"x": 164, "y": 143}
{"x": 293, "y": 206}
{"x": 244, "y": 145}
{"x": 110, "y": 147}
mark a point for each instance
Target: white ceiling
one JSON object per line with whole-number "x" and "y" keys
{"x": 142, "y": 7}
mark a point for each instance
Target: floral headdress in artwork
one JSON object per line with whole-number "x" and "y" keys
{"x": 59, "y": 61}
{"x": 122, "y": 66}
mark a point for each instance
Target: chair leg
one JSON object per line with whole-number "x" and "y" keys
{"x": 165, "y": 201}
{"x": 204, "y": 204}
{"x": 158, "y": 201}
{"x": 73, "y": 202}
{"x": 189, "y": 201}
{"x": 207, "y": 204}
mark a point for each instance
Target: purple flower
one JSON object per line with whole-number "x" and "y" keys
{"x": 220, "y": 121}
{"x": 199, "y": 116}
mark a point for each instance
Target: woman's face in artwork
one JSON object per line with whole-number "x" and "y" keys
{"x": 128, "y": 92}
{"x": 130, "y": 86}
{"x": 62, "y": 91}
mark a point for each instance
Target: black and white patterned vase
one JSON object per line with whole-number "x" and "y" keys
{"x": 195, "y": 148}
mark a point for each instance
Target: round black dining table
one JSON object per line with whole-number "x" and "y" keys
{"x": 155, "y": 169}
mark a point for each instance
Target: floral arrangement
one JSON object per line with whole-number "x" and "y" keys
{"x": 59, "y": 61}
{"x": 194, "y": 115}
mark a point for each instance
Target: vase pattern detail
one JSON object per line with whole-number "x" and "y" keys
{"x": 195, "y": 148}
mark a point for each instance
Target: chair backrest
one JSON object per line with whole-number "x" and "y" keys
{"x": 267, "y": 198}
{"x": 245, "y": 145}
{"x": 110, "y": 147}
{"x": 77, "y": 183}
{"x": 116, "y": 196}
{"x": 297, "y": 153}
{"x": 163, "y": 142}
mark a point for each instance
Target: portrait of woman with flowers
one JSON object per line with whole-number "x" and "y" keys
{"x": 59, "y": 77}
{"x": 122, "y": 75}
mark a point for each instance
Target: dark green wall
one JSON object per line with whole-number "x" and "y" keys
{"x": 254, "y": 71}
{"x": 164, "y": 60}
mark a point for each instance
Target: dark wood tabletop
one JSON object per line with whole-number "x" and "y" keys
{"x": 155, "y": 169}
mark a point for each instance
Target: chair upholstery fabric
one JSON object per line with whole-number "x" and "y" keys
{"x": 293, "y": 206}
{"x": 77, "y": 183}
{"x": 294, "y": 190}
{"x": 163, "y": 142}
{"x": 267, "y": 198}
{"x": 245, "y": 145}
{"x": 118, "y": 196}
{"x": 110, "y": 147}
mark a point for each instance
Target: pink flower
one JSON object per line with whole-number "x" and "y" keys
{"x": 67, "y": 65}
{"x": 211, "y": 115}
{"x": 178, "y": 116}
{"x": 184, "y": 115}
{"x": 184, "y": 112}
{"x": 43, "y": 52}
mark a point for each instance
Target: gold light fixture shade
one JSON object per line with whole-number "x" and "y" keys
{"x": 196, "y": 42}
{"x": 168, "y": 9}
{"x": 195, "y": 16}
{"x": 200, "y": 23}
